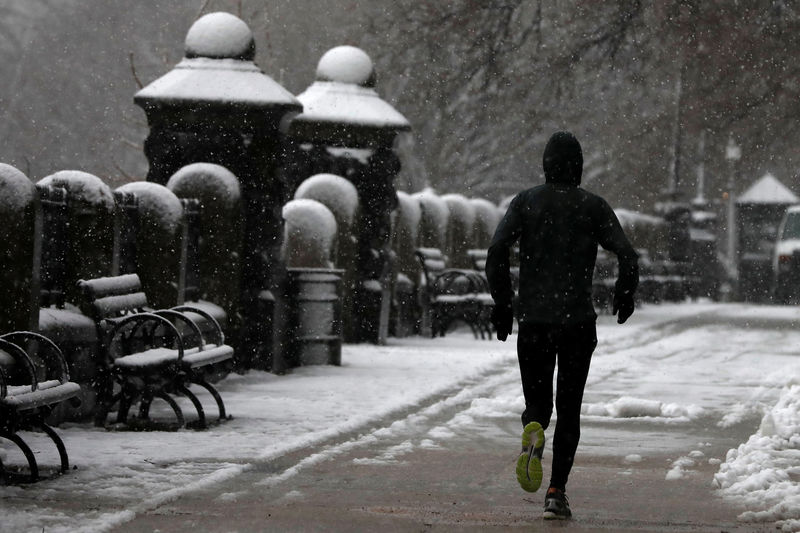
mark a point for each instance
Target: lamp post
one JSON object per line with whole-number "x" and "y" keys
{"x": 733, "y": 153}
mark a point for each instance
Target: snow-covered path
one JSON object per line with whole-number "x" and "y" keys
{"x": 677, "y": 366}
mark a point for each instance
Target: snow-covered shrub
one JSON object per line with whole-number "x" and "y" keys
{"x": 459, "y": 229}
{"x": 158, "y": 240}
{"x": 17, "y": 226}
{"x": 646, "y": 232}
{"x": 334, "y": 192}
{"x": 405, "y": 226}
{"x": 160, "y": 210}
{"x": 219, "y": 232}
{"x": 216, "y": 187}
{"x": 17, "y": 192}
{"x": 309, "y": 234}
{"x": 433, "y": 222}
{"x": 504, "y": 203}
{"x": 83, "y": 187}
{"x": 89, "y": 228}
{"x": 487, "y": 216}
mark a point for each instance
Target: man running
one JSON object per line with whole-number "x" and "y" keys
{"x": 559, "y": 226}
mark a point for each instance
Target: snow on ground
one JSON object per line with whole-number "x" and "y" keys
{"x": 671, "y": 366}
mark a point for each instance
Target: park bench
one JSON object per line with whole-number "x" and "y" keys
{"x": 603, "y": 282}
{"x": 149, "y": 354}
{"x": 33, "y": 380}
{"x": 450, "y": 294}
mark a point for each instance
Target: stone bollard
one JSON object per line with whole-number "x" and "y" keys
{"x": 347, "y": 129}
{"x": 313, "y": 289}
{"x": 459, "y": 230}
{"x": 160, "y": 219}
{"x": 19, "y": 251}
{"x": 217, "y": 106}
{"x": 341, "y": 198}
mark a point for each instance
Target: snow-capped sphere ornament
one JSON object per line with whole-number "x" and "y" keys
{"x": 346, "y": 64}
{"x": 220, "y": 35}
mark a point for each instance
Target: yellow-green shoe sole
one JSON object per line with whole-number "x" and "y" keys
{"x": 529, "y": 464}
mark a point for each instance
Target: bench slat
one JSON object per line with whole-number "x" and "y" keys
{"x": 434, "y": 265}
{"x": 114, "y": 285}
{"x": 110, "y": 306}
{"x": 48, "y": 395}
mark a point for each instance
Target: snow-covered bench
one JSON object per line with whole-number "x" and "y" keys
{"x": 149, "y": 353}
{"x": 31, "y": 384}
{"x": 451, "y": 294}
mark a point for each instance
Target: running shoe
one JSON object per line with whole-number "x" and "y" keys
{"x": 556, "y": 505}
{"x": 529, "y": 462}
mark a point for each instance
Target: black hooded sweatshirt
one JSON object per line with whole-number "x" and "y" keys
{"x": 559, "y": 226}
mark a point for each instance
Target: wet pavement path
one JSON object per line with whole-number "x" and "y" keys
{"x": 445, "y": 466}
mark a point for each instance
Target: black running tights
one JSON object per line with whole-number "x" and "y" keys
{"x": 539, "y": 346}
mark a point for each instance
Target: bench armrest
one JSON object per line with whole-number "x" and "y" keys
{"x": 140, "y": 319}
{"x": 205, "y": 314}
{"x": 167, "y": 313}
{"x": 22, "y": 359}
{"x": 51, "y": 354}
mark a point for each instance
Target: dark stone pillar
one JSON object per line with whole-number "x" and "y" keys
{"x": 217, "y": 106}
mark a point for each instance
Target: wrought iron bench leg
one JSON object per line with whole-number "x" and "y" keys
{"x": 62, "y": 450}
{"x": 201, "y": 415}
{"x": 147, "y": 400}
{"x": 215, "y": 394}
{"x": 16, "y": 439}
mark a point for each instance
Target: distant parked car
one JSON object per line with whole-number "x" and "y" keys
{"x": 786, "y": 258}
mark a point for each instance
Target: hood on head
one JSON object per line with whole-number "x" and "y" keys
{"x": 563, "y": 159}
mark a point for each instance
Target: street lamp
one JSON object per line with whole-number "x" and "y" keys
{"x": 733, "y": 153}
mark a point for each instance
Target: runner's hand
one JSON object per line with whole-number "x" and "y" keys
{"x": 623, "y": 307}
{"x": 502, "y": 320}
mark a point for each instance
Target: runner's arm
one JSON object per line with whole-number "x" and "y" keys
{"x": 498, "y": 258}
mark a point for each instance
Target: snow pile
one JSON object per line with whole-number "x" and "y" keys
{"x": 629, "y": 407}
{"x": 213, "y": 185}
{"x": 763, "y": 473}
{"x": 487, "y": 217}
{"x": 82, "y": 186}
{"x": 220, "y": 35}
{"x": 334, "y": 192}
{"x": 159, "y": 208}
{"x": 346, "y": 64}
{"x": 309, "y": 234}
{"x": 433, "y": 223}
{"x": 16, "y": 190}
